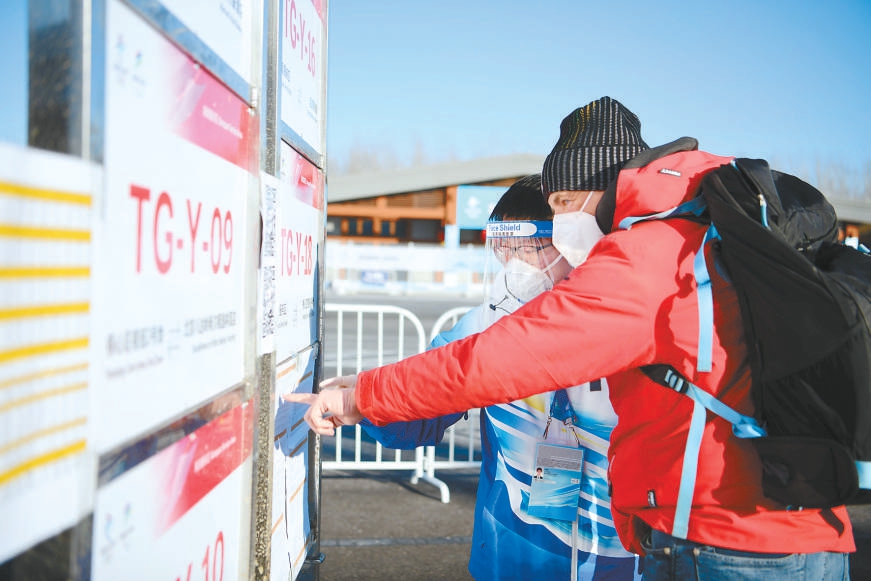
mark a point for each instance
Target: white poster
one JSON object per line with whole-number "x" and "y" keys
{"x": 290, "y": 524}
{"x": 47, "y": 469}
{"x": 300, "y": 218}
{"x": 180, "y": 514}
{"x": 303, "y": 30}
{"x": 170, "y": 271}
{"x": 224, "y": 25}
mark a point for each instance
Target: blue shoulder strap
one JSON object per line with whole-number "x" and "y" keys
{"x": 695, "y": 206}
{"x": 742, "y": 426}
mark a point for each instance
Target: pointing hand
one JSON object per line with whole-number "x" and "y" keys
{"x": 335, "y": 405}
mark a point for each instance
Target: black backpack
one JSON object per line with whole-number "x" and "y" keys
{"x": 805, "y": 302}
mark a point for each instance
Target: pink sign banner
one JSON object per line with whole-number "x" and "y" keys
{"x": 181, "y": 514}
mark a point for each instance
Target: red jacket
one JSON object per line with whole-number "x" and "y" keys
{"x": 632, "y": 303}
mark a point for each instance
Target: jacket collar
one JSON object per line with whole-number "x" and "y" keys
{"x": 608, "y": 204}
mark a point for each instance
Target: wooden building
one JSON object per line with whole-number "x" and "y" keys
{"x": 414, "y": 204}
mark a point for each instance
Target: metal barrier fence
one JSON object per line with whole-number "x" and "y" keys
{"x": 451, "y": 316}
{"x": 359, "y": 337}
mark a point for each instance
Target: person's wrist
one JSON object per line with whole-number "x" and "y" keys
{"x": 350, "y": 404}
{"x": 362, "y": 400}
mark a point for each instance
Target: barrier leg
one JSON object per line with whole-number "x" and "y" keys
{"x": 426, "y": 472}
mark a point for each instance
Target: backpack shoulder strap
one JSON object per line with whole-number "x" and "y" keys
{"x": 696, "y": 207}
{"x": 683, "y": 171}
{"x": 742, "y": 426}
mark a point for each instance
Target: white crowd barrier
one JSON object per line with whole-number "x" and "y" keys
{"x": 447, "y": 320}
{"x": 359, "y": 337}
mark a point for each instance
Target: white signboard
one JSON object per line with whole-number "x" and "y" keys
{"x": 47, "y": 203}
{"x": 169, "y": 270}
{"x": 224, "y": 25}
{"x": 300, "y": 219}
{"x": 181, "y": 514}
{"x": 290, "y": 524}
{"x": 303, "y": 31}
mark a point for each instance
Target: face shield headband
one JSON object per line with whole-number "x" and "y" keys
{"x": 520, "y": 257}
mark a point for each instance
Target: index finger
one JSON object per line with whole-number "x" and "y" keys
{"x": 341, "y": 381}
{"x": 300, "y": 397}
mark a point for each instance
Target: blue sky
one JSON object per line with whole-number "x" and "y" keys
{"x": 13, "y": 72}
{"x": 789, "y": 81}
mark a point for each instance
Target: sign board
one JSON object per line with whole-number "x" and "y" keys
{"x": 290, "y": 521}
{"x": 475, "y": 203}
{"x": 170, "y": 269}
{"x": 47, "y": 202}
{"x": 180, "y": 514}
{"x": 299, "y": 230}
{"x": 303, "y": 73}
{"x": 225, "y": 26}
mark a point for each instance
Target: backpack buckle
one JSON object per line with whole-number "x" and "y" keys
{"x": 676, "y": 382}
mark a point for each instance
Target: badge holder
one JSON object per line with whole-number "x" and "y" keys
{"x": 556, "y": 477}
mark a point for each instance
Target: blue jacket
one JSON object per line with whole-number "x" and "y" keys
{"x": 508, "y": 543}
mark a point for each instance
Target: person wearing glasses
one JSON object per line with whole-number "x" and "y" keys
{"x": 514, "y": 535}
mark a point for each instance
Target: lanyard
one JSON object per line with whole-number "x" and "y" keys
{"x": 561, "y": 409}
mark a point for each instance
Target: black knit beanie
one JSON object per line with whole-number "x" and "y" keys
{"x": 594, "y": 143}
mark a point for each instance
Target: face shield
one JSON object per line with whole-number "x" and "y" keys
{"x": 521, "y": 262}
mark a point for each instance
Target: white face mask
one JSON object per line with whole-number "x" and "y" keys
{"x": 524, "y": 282}
{"x": 575, "y": 233}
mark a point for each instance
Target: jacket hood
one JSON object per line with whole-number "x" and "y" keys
{"x": 635, "y": 202}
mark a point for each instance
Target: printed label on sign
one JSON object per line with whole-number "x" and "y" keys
{"x": 266, "y": 294}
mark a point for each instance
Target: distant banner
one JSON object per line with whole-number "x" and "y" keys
{"x": 404, "y": 257}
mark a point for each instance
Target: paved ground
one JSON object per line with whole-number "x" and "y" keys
{"x": 379, "y": 527}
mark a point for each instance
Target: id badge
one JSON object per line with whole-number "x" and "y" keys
{"x": 556, "y": 482}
